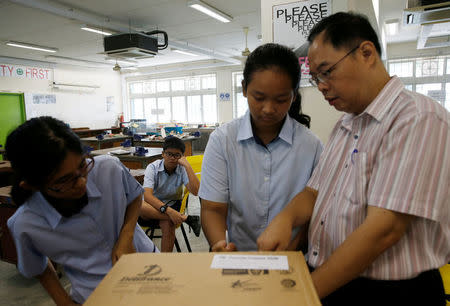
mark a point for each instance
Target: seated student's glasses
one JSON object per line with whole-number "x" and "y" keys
{"x": 68, "y": 182}
{"x": 173, "y": 155}
{"x": 323, "y": 77}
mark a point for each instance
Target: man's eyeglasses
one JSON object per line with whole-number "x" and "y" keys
{"x": 173, "y": 155}
{"x": 66, "y": 184}
{"x": 323, "y": 77}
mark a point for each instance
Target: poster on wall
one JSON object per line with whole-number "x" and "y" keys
{"x": 292, "y": 23}
{"x": 39, "y": 104}
{"x": 25, "y": 72}
{"x": 43, "y": 99}
{"x": 109, "y": 104}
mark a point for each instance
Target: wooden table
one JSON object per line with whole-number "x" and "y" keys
{"x": 109, "y": 141}
{"x": 6, "y": 173}
{"x": 131, "y": 161}
{"x": 87, "y": 132}
{"x": 5, "y": 166}
{"x": 158, "y": 143}
{"x": 7, "y": 209}
{"x": 3, "y": 153}
{"x": 202, "y": 141}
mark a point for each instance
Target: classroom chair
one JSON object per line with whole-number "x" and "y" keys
{"x": 445, "y": 274}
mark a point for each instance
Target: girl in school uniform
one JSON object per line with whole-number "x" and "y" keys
{"x": 77, "y": 211}
{"x": 254, "y": 165}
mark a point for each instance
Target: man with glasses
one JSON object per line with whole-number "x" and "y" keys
{"x": 163, "y": 185}
{"x": 378, "y": 201}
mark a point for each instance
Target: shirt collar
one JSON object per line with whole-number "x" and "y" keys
{"x": 41, "y": 206}
{"x": 385, "y": 99}
{"x": 246, "y": 132}
{"x": 378, "y": 108}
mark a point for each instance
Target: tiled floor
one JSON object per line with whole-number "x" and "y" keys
{"x": 17, "y": 290}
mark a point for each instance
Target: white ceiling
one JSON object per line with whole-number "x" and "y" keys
{"x": 57, "y": 24}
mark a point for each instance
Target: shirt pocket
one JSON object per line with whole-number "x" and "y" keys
{"x": 355, "y": 190}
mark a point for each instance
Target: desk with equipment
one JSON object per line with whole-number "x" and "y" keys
{"x": 106, "y": 141}
{"x": 158, "y": 143}
{"x": 87, "y": 132}
{"x": 129, "y": 159}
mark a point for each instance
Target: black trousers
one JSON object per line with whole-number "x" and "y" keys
{"x": 426, "y": 289}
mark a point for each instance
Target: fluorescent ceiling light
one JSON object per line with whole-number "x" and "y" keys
{"x": 97, "y": 30}
{"x": 30, "y": 46}
{"x": 184, "y": 52}
{"x": 74, "y": 61}
{"x": 391, "y": 26}
{"x": 113, "y": 60}
{"x": 210, "y": 11}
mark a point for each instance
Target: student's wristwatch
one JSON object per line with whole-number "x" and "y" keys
{"x": 163, "y": 209}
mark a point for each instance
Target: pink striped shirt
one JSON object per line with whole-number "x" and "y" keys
{"x": 395, "y": 155}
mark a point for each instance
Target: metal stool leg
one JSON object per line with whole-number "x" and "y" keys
{"x": 188, "y": 245}
{"x": 177, "y": 246}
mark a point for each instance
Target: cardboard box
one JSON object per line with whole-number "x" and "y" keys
{"x": 187, "y": 279}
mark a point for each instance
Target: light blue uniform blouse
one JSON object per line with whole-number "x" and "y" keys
{"x": 83, "y": 243}
{"x": 165, "y": 187}
{"x": 256, "y": 182}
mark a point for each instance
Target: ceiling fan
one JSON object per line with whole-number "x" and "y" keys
{"x": 116, "y": 67}
{"x": 246, "y": 52}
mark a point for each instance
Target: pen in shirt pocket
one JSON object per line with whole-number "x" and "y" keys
{"x": 353, "y": 154}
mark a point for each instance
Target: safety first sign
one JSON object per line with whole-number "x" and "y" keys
{"x": 25, "y": 72}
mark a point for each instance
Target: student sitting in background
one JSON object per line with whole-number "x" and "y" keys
{"x": 77, "y": 211}
{"x": 163, "y": 185}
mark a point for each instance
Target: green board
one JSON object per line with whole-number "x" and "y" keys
{"x": 12, "y": 114}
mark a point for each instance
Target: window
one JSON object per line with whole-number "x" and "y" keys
{"x": 210, "y": 108}
{"x": 183, "y": 99}
{"x": 137, "y": 108}
{"x": 429, "y": 76}
{"x": 177, "y": 85}
{"x": 136, "y": 88}
{"x": 401, "y": 69}
{"x": 240, "y": 105}
{"x": 179, "y": 109}
{"x": 429, "y": 67}
{"x": 149, "y": 87}
{"x": 151, "y": 110}
{"x": 194, "y": 104}
{"x": 447, "y": 96}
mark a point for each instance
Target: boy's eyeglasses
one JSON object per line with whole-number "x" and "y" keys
{"x": 323, "y": 77}
{"x": 69, "y": 182}
{"x": 173, "y": 155}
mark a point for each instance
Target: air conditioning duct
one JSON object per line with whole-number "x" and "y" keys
{"x": 426, "y": 12}
{"x": 133, "y": 45}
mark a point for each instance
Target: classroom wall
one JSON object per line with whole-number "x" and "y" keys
{"x": 79, "y": 107}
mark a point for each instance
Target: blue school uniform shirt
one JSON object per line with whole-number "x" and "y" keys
{"x": 256, "y": 181}
{"x": 83, "y": 243}
{"x": 165, "y": 187}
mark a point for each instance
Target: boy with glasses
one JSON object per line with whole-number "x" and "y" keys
{"x": 378, "y": 201}
{"x": 163, "y": 185}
